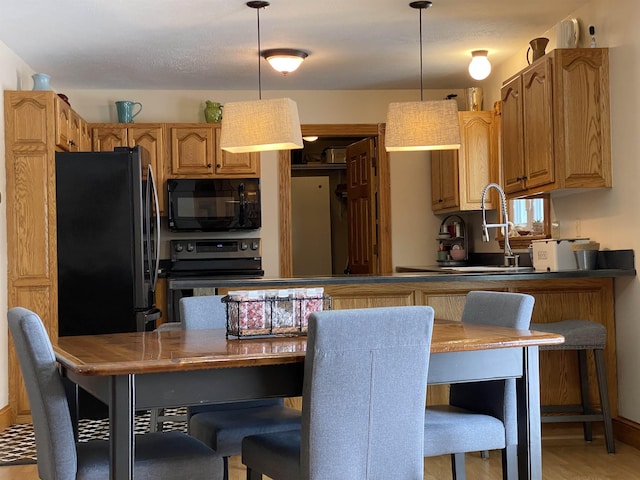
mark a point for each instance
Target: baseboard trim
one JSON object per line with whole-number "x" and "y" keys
{"x": 627, "y": 431}
{"x": 6, "y": 418}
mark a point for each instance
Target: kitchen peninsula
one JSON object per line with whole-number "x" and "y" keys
{"x": 575, "y": 294}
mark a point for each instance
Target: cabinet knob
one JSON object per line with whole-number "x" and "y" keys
{"x": 218, "y": 165}
{"x": 72, "y": 143}
{"x": 208, "y": 165}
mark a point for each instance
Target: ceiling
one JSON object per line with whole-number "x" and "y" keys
{"x": 212, "y": 44}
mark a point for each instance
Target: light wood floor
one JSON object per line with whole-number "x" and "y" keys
{"x": 563, "y": 459}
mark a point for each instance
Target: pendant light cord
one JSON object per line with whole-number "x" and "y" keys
{"x": 259, "y": 65}
{"x": 421, "y": 5}
{"x": 421, "y": 87}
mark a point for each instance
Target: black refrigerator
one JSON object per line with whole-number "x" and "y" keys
{"x": 108, "y": 229}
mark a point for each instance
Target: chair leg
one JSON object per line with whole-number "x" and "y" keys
{"x": 584, "y": 393}
{"x": 251, "y": 475}
{"x": 603, "y": 388}
{"x": 458, "y": 471}
{"x": 225, "y": 468}
{"x": 154, "y": 414}
{"x": 510, "y": 462}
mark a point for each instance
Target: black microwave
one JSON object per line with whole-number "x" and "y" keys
{"x": 213, "y": 205}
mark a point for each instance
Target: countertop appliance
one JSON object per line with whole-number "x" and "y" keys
{"x": 213, "y": 204}
{"x": 108, "y": 228}
{"x": 552, "y": 255}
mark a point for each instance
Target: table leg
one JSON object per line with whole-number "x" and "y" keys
{"x": 121, "y": 426}
{"x": 529, "y": 428}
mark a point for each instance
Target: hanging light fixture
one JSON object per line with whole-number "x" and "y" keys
{"x": 479, "y": 67}
{"x": 284, "y": 60}
{"x": 260, "y": 125}
{"x": 413, "y": 126}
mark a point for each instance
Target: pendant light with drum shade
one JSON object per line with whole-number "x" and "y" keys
{"x": 260, "y": 125}
{"x": 415, "y": 126}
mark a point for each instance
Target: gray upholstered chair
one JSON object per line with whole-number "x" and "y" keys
{"x": 582, "y": 336}
{"x": 481, "y": 416}
{"x": 157, "y": 455}
{"x": 365, "y": 379}
{"x": 223, "y": 426}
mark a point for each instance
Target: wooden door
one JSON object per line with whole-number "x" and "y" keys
{"x": 537, "y": 104}
{"x": 512, "y": 136}
{"x": 361, "y": 191}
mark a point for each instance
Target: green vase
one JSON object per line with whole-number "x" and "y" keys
{"x": 213, "y": 112}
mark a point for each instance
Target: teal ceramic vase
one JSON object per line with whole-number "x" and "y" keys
{"x": 41, "y": 81}
{"x": 212, "y": 112}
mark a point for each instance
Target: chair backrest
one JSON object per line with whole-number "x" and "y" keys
{"x": 498, "y": 397}
{"x": 55, "y": 442}
{"x": 201, "y": 312}
{"x": 364, "y": 393}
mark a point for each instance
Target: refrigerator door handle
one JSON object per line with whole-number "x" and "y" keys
{"x": 153, "y": 256}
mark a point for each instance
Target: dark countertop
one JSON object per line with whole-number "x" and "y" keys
{"x": 399, "y": 277}
{"x": 614, "y": 263}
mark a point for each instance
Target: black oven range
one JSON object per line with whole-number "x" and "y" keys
{"x": 215, "y": 257}
{"x": 198, "y": 259}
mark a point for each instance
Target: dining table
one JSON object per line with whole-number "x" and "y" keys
{"x": 136, "y": 371}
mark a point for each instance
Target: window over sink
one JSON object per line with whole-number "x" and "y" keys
{"x": 530, "y": 218}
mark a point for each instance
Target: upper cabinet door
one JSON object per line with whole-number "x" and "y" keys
{"x": 151, "y": 137}
{"x": 241, "y": 164}
{"x": 192, "y": 150}
{"x": 513, "y": 170}
{"x": 539, "y": 156}
{"x": 63, "y": 124}
{"x": 444, "y": 181}
{"x": 106, "y": 138}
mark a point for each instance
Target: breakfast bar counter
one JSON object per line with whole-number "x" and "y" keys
{"x": 575, "y": 294}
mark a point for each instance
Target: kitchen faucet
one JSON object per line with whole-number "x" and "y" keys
{"x": 510, "y": 259}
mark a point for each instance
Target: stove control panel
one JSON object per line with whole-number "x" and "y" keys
{"x": 206, "y": 249}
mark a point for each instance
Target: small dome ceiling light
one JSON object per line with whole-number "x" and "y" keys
{"x": 479, "y": 67}
{"x": 285, "y": 60}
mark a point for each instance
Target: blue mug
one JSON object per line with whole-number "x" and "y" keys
{"x": 125, "y": 111}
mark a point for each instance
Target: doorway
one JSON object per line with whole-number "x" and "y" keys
{"x": 310, "y": 162}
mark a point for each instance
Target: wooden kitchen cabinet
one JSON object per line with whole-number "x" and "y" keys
{"x": 192, "y": 148}
{"x": 555, "y": 123}
{"x": 458, "y": 177}
{"x": 240, "y": 164}
{"x": 444, "y": 181}
{"x": 150, "y": 136}
{"x": 196, "y": 153}
{"x": 31, "y": 139}
{"x": 71, "y": 131}
{"x": 81, "y": 131}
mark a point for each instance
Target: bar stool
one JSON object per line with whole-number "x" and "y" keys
{"x": 582, "y": 335}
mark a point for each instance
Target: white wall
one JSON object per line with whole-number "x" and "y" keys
{"x": 14, "y": 73}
